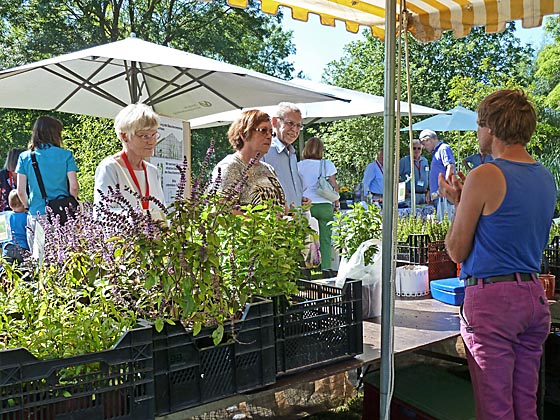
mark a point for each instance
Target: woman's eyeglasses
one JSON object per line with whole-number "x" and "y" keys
{"x": 264, "y": 130}
{"x": 417, "y": 148}
{"x": 147, "y": 137}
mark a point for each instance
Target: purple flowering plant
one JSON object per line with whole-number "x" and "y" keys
{"x": 209, "y": 261}
{"x": 64, "y": 305}
{"x": 103, "y": 269}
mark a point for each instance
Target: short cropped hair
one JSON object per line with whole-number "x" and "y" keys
{"x": 14, "y": 200}
{"x": 47, "y": 131}
{"x": 240, "y": 128}
{"x": 428, "y": 133}
{"x": 313, "y": 149}
{"x": 12, "y": 159}
{"x": 510, "y": 116}
{"x": 284, "y": 108}
{"x": 136, "y": 117}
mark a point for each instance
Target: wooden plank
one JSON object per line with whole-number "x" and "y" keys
{"x": 418, "y": 322}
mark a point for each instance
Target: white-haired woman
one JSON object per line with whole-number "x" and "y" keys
{"x": 137, "y": 128}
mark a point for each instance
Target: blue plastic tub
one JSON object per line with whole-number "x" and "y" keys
{"x": 450, "y": 291}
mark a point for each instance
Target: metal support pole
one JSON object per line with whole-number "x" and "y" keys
{"x": 387, "y": 310}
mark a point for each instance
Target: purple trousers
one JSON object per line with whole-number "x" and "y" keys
{"x": 504, "y": 326}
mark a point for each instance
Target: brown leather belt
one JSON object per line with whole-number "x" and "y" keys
{"x": 471, "y": 281}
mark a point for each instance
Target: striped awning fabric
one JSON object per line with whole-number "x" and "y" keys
{"x": 427, "y": 19}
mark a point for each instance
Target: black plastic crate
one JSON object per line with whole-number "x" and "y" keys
{"x": 320, "y": 325}
{"x": 190, "y": 370}
{"x": 414, "y": 250}
{"x": 551, "y": 260}
{"x": 111, "y": 384}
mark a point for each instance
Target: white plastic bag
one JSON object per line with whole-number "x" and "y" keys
{"x": 370, "y": 274}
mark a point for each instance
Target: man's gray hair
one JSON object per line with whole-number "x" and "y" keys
{"x": 285, "y": 108}
{"x": 428, "y": 133}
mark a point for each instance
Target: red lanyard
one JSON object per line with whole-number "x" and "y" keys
{"x": 379, "y": 166}
{"x": 418, "y": 166}
{"x": 145, "y": 201}
{"x": 12, "y": 185}
{"x": 482, "y": 159}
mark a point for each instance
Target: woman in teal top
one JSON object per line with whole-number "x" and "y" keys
{"x": 58, "y": 169}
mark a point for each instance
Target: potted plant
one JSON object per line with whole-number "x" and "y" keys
{"x": 352, "y": 228}
{"x": 356, "y": 234}
{"x": 201, "y": 274}
{"x": 198, "y": 273}
{"x": 75, "y": 349}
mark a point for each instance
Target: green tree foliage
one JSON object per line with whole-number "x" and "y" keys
{"x": 36, "y": 29}
{"x": 443, "y": 74}
{"x": 547, "y": 75}
{"x": 546, "y": 91}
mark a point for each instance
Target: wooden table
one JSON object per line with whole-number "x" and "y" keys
{"x": 418, "y": 323}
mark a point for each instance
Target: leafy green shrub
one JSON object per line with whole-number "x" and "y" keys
{"x": 554, "y": 231}
{"x": 410, "y": 225}
{"x": 352, "y": 228}
{"x": 413, "y": 225}
{"x": 59, "y": 315}
{"x": 104, "y": 269}
{"x": 207, "y": 262}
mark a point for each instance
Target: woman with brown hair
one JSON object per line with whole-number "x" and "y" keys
{"x": 310, "y": 169}
{"x": 57, "y": 167}
{"x": 250, "y": 135}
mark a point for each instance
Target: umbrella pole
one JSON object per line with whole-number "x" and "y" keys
{"x": 387, "y": 299}
{"x": 410, "y": 135}
{"x": 133, "y": 82}
{"x": 459, "y": 150}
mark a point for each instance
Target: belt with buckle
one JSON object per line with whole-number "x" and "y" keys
{"x": 471, "y": 281}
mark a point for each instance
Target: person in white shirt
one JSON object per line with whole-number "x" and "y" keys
{"x": 136, "y": 126}
{"x": 311, "y": 168}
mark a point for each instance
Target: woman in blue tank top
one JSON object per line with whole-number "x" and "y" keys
{"x": 503, "y": 215}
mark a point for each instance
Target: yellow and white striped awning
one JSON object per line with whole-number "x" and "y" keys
{"x": 428, "y": 19}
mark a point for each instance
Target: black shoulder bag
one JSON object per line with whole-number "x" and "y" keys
{"x": 62, "y": 206}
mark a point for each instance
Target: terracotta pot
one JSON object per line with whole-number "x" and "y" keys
{"x": 548, "y": 281}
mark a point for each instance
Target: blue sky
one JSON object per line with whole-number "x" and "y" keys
{"x": 318, "y": 45}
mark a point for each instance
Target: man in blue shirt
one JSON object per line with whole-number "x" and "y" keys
{"x": 443, "y": 162}
{"x": 282, "y": 155}
{"x": 421, "y": 173}
{"x": 373, "y": 178}
{"x": 472, "y": 161}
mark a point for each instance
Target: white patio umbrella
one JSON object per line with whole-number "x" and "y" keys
{"x": 456, "y": 119}
{"x": 100, "y": 81}
{"x": 358, "y": 104}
